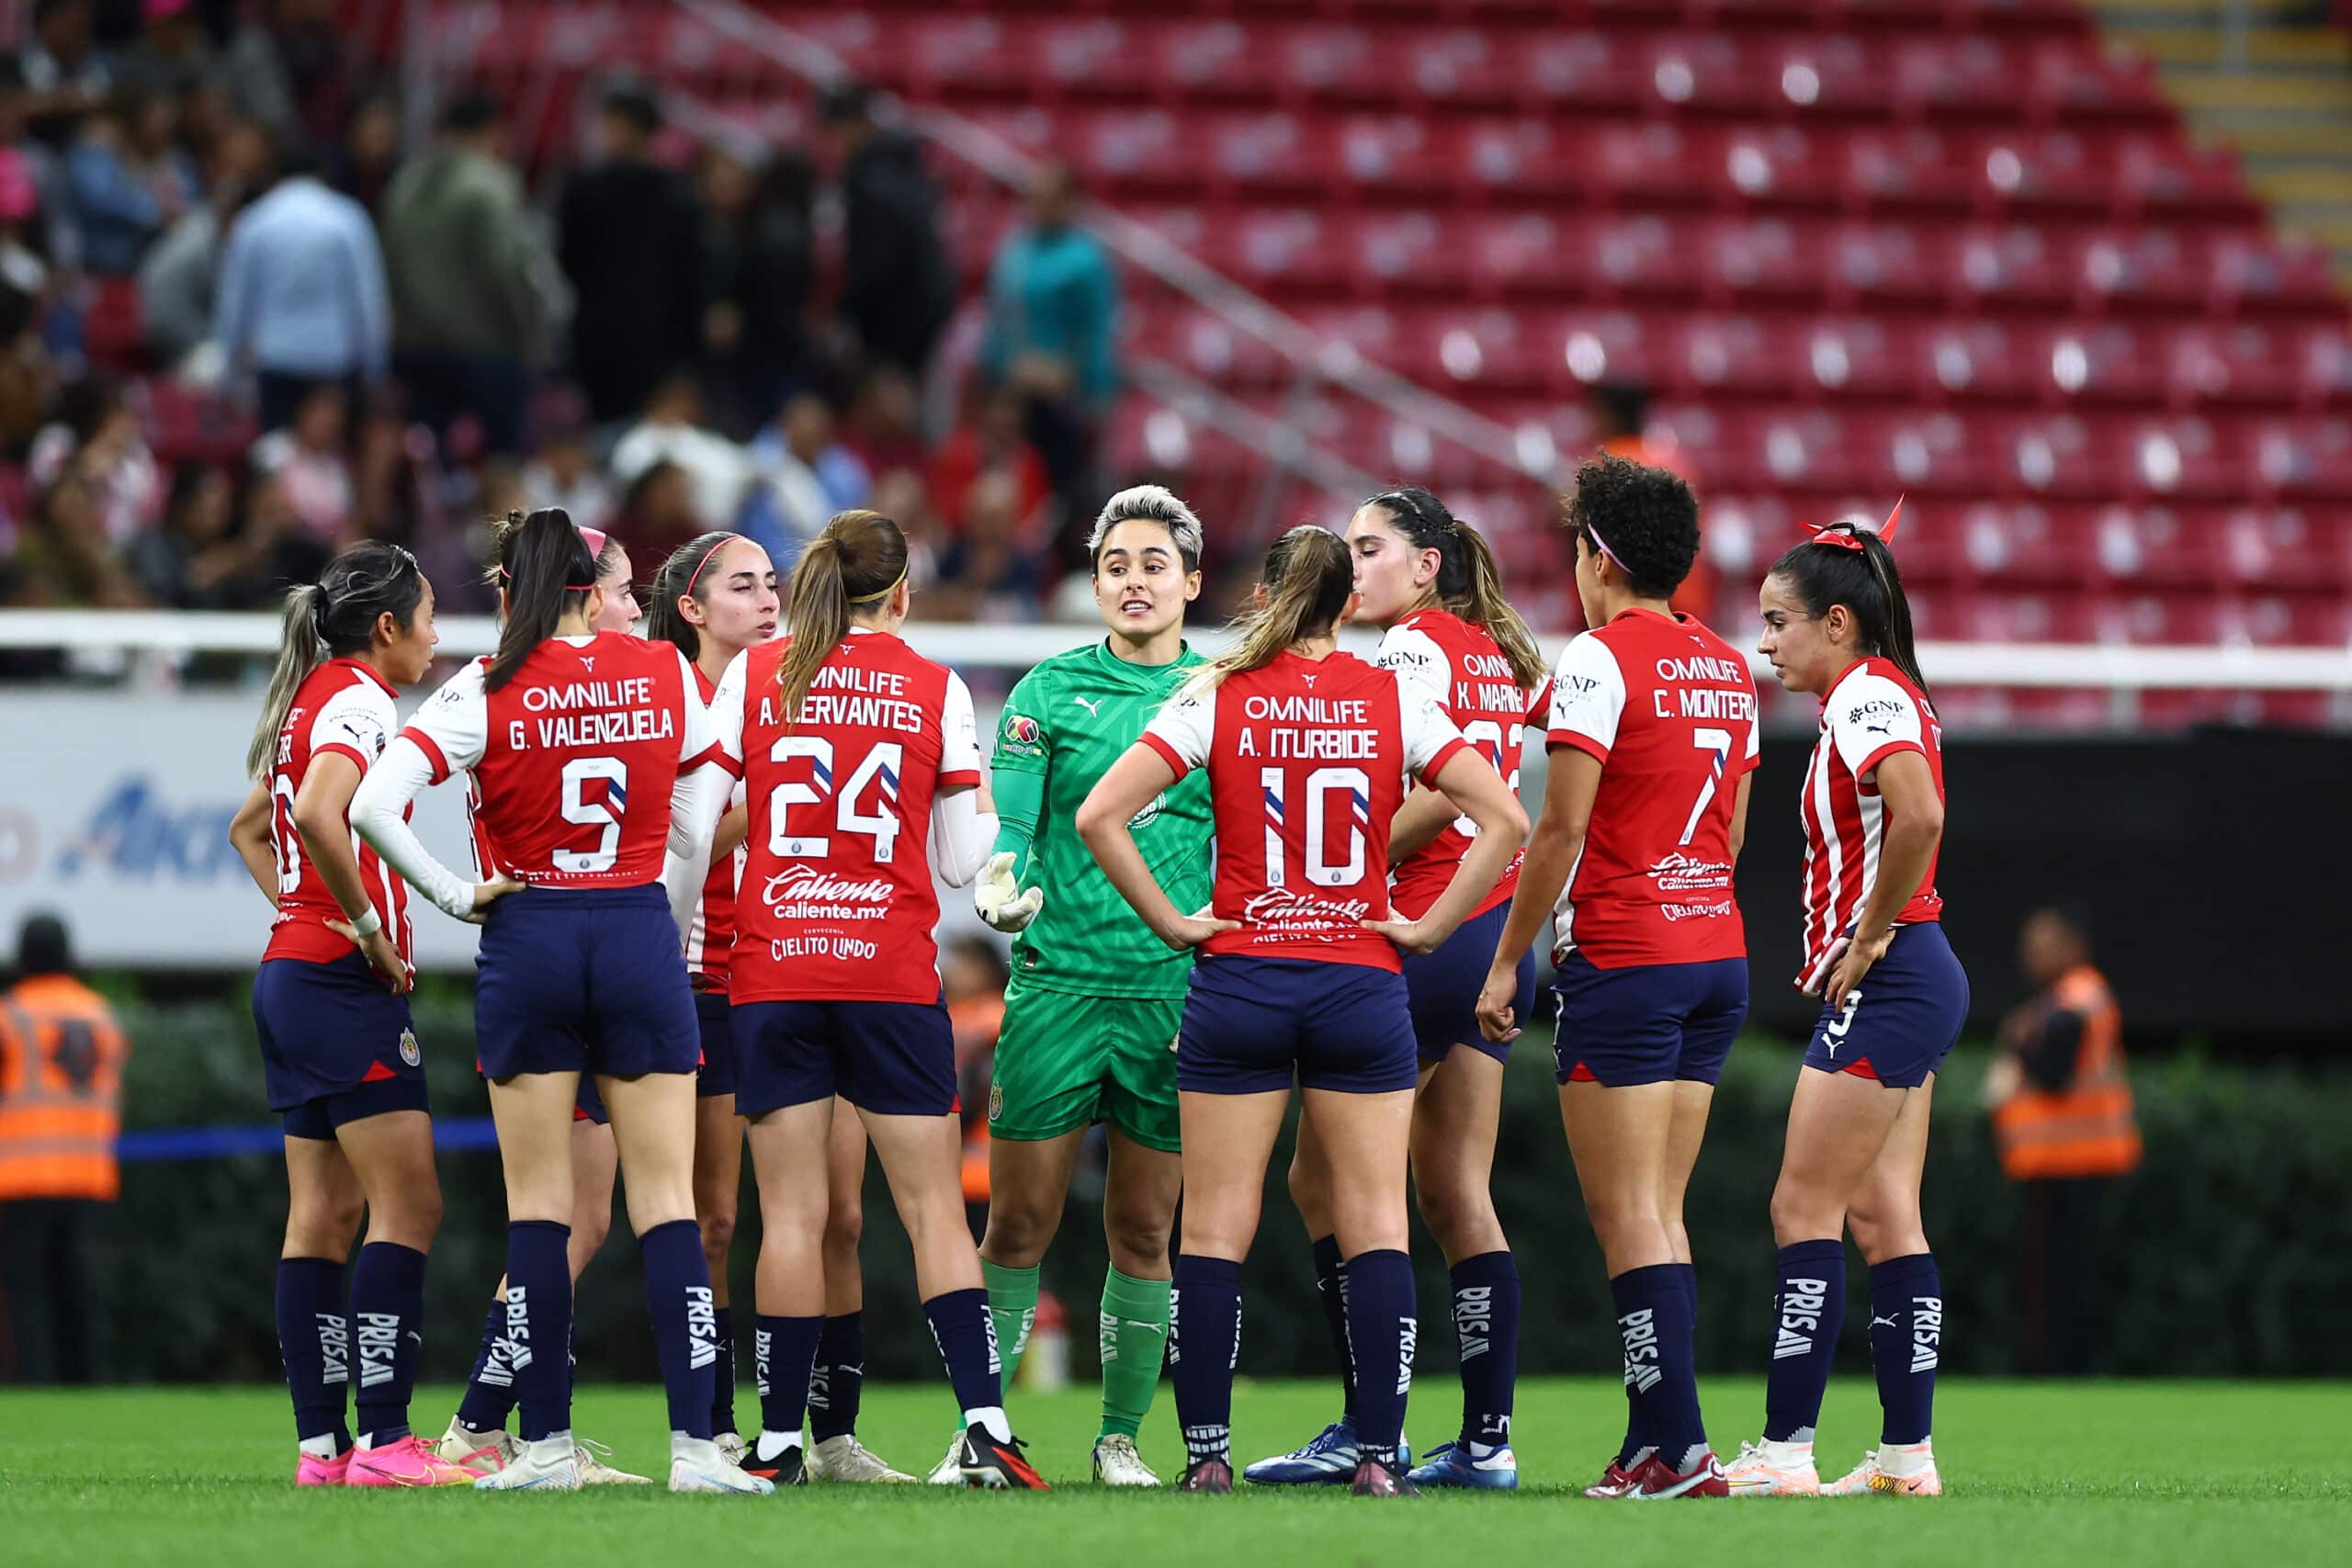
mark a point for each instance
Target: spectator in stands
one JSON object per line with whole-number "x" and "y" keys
{"x": 302, "y": 294}
{"x": 307, "y": 461}
{"x": 629, "y": 241}
{"x": 881, "y": 425}
{"x": 254, "y": 71}
{"x": 897, "y": 281}
{"x": 61, "y": 1055}
{"x": 991, "y": 441}
{"x": 468, "y": 322}
{"x": 63, "y": 68}
{"x": 174, "y": 52}
{"x": 989, "y": 571}
{"x": 898, "y": 494}
{"x": 129, "y": 181}
{"x": 674, "y": 431}
{"x": 564, "y": 474}
{"x": 179, "y": 280}
{"x": 64, "y": 559}
{"x": 806, "y": 476}
{"x": 27, "y": 378}
{"x": 57, "y": 241}
{"x": 23, "y": 267}
{"x": 365, "y": 157}
{"x": 286, "y": 68}
{"x": 658, "y": 508}
{"x": 1053, "y": 333}
{"x": 760, "y": 245}
{"x": 1621, "y": 420}
{"x": 95, "y": 447}
{"x": 199, "y": 559}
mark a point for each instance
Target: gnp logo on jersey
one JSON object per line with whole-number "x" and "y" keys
{"x": 1876, "y": 716}
{"x": 409, "y": 1052}
{"x": 806, "y": 892}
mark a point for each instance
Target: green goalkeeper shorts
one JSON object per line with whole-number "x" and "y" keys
{"x": 1066, "y": 1061}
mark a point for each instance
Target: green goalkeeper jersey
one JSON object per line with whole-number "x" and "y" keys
{"x": 1067, "y": 721}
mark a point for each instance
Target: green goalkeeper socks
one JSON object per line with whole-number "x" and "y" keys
{"x": 1134, "y": 1328}
{"x": 1013, "y": 1303}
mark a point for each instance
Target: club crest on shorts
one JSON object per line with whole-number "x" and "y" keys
{"x": 996, "y": 1102}
{"x": 409, "y": 1052}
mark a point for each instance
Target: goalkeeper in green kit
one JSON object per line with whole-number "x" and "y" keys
{"x": 1095, "y": 997}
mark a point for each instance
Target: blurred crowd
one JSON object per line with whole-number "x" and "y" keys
{"x": 249, "y": 312}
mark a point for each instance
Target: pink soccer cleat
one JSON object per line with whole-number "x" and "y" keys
{"x": 315, "y": 1472}
{"x": 1904, "y": 1472}
{"x": 1773, "y": 1470}
{"x": 408, "y": 1462}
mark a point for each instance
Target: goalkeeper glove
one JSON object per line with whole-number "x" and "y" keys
{"x": 997, "y": 897}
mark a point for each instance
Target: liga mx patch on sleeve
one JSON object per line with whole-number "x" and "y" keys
{"x": 1020, "y": 736}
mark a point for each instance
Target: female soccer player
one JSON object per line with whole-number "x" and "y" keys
{"x": 1653, "y": 740}
{"x": 1836, "y": 622}
{"x": 863, "y": 773}
{"x": 339, "y": 1056}
{"x": 477, "y": 1439}
{"x": 1095, "y": 996}
{"x": 575, "y": 739}
{"x": 1309, "y": 752}
{"x": 1428, "y": 579}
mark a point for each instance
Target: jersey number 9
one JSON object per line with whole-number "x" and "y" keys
{"x": 603, "y": 814}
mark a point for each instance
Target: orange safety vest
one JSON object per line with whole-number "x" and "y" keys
{"x": 2086, "y": 1128}
{"x": 60, "y": 1092}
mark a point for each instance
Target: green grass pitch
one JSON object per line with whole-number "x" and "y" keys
{"x": 2146, "y": 1474}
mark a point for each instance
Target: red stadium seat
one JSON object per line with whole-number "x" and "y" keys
{"x": 1522, "y": 253}
{"x": 1778, "y": 166}
{"x": 2189, "y": 616}
{"x": 2147, "y": 547}
{"x": 1837, "y": 76}
{"x": 1650, "y": 163}
{"x": 2149, "y": 269}
{"x": 1736, "y": 356}
{"x": 1707, "y": 74}
{"x": 1852, "y": 356}
{"x": 2283, "y": 548}
{"x": 2103, "y": 362}
{"x": 1643, "y": 257}
{"x": 2044, "y": 172}
{"x": 1518, "y": 158}
{"x": 1908, "y": 169}
{"x": 1885, "y": 264}
{"x": 2247, "y": 363}
{"x": 2305, "y": 457}
{"x": 1756, "y": 259}
{"x": 1395, "y": 155}
{"x": 1560, "y": 71}
{"x": 2326, "y": 375}
{"x": 2009, "y": 268}
{"x": 1978, "y": 360}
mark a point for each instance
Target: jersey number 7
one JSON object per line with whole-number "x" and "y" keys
{"x": 1719, "y": 742}
{"x": 880, "y": 767}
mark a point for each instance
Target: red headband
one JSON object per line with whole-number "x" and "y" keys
{"x": 714, "y": 549}
{"x": 1850, "y": 538}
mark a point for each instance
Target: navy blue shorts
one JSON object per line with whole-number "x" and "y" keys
{"x": 1647, "y": 1022}
{"x": 1900, "y": 1023}
{"x": 585, "y": 980}
{"x": 588, "y": 1105}
{"x": 717, "y": 1074}
{"x": 891, "y": 1058}
{"x": 1445, "y": 988}
{"x": 327, "y": 1033}
{"x": 1251, "y": 1023}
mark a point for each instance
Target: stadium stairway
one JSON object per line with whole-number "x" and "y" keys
{"x": 2286, "y": 106}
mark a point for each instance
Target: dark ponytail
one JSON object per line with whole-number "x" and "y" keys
{"x": 687, "y": 571}
{"x": 1826, "y": 570}
{"x": 1469, "y": 583}
{"x": 332, "y": 618}
{"x": 1309, "y": 577}
{"x": 853, "y": 565}
{"x": 546, "y": 562}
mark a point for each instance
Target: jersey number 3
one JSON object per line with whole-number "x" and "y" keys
{"x": 880, "y": 769}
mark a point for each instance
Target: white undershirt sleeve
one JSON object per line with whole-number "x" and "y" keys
{"x": 379, "y": 815}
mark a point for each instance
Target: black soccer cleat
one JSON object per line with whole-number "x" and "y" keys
{"x": 789, "y": 1468}
{"x": 1207, "y": 1475}
{"x": 997, "y": 1467}
{"x": 1374, "y": 1479}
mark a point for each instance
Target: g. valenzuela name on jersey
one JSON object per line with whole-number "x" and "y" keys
{"x": 592, "y": 713}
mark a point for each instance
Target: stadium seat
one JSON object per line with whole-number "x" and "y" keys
{"x": 2284, "y": 548}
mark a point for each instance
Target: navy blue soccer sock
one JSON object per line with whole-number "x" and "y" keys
{"x": 490, "y": 1390}
{"x": 387, "y": 1326}
{"x": 1485, "y": 1326}
{"x": 538, "y": 1325}
{"x": 685, "y": 1321}
{"x": 784, "y": 1349}
{"x": 314, "y": 1341}
{"x": 837, "y": 1386}
{"x": 1381, "y": 1331}
{"x": 722, "y": 1372}
{"x": 1808, "y": 1310}
{"x": 1906, "y": 1342}
{"x": 1331, "y": 1292}
{"x": 1654, "y": 1327}
{"x": 1204, "y": 1340}
{"x": 965, "y": 1333}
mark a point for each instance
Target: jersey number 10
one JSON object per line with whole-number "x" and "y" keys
{"x": 1353, "y": 790}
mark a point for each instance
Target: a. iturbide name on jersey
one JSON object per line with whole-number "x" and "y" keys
{"x": 1317, "y": 745}
{"x": 849, "y": 694}
{"x": 592, "y": 713}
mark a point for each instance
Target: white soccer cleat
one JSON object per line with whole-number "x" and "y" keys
{"x": 845, "y": 1459}
{"x": 552, "y": 1464}
{"x": 476, "y": 1453}
{"x": 1773, "y": 1470}
{"x": 595, "y": 1472}
{"x": 696, "y": 1465}
{"x": 731, "y": 1446}
{"x": 1891, "y": 1471}
{"x": 1117, "y": 1462}
{"x": 949, "y": 1471}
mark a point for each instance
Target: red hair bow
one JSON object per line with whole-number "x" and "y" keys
{"x": 1851, "y": 540}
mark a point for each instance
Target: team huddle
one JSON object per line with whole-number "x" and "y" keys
{"x": 707, "y": 858}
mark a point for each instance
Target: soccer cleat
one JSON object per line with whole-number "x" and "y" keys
{"x": 949, "y": 1471}
{"x": 312, "y": 1471}
{"x": 1374, "y": 1479}
{"x": 1117, "y": 1462}
{"x": 844, "y": 1458}
{"x": 1330, "y": 1457}
{"x": 1214, "y": 1475}
{"x": 731, "y": 1446}
{"x": 1659, "y": 1485}
{"x": 552, "y": 1464}
{"x": 1453, "y": 1464}
{"x": 1873, "y": 1476}
{"x": 771, "y": 1458}
{"x": 998, "y": 1466}
{"x": 476, "y": 1453}
{"x": 1773, "y": 1470}
{"x": 595, "y": 1472}
{"x": 408, "y": 1462}
{"x": 1616, "y": 1484}
{"x": 696, "y": 1465}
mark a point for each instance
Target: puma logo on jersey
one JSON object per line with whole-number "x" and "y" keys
{"x": 1093, "y": 707}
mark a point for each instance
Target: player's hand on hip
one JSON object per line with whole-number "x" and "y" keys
{"x": 1498, "y": 1004}
{"x": 1191, "y": 931}
{"x": 1410, "y": 936}
{"x": 1855, "y": 962}
{"x": 488, "y": 893}
{"x": 380, "y": 952}
{"x": 997, "y": 899}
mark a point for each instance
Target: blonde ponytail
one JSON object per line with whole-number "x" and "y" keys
{"x": 300, "y": 649}
{"x": 1481, "y": 604}
{"x": 1309, "y": 577}
{"x": 858, "y": 560}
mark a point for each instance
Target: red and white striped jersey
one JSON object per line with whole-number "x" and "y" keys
{"x": 1669, "y": 710}
{"x": 1461, "y": 666}
{"x": 345, "y": 708}
{"x": 837, "y": 900}
{"x": 1309, "y": 760}
{"x": 573, "y": 760}
{"x": 711, "y": 937}
{"x": 1870, "y": 713}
